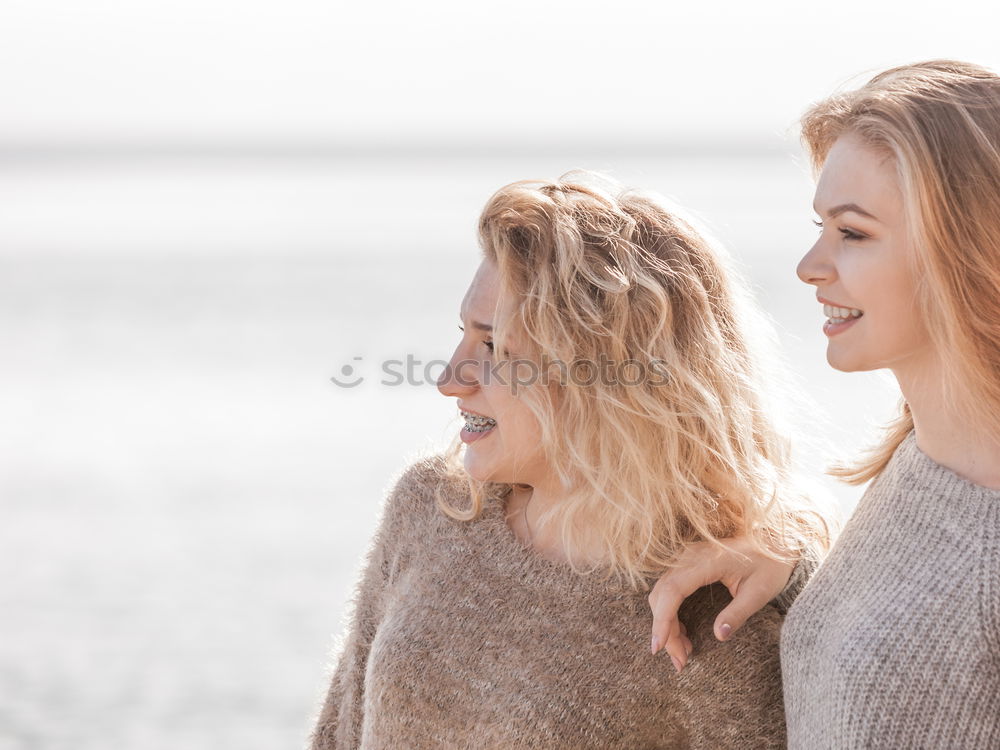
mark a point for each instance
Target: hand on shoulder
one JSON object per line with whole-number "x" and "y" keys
{"x": 753, "y": 580}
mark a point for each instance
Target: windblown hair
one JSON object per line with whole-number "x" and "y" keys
{"x": 678, "y": 446}
{"x": 939, "y": 123}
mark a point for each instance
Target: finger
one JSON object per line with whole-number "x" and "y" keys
{"x": 665, "y": 600}
{"x": 688, "y": 646}
{"x": 748, "y": 600}
{"x": 666, "y": 626}
{"x": 676, "y": 648}
{"x": 679, "y": 646}
{"x": 670, "y": 592}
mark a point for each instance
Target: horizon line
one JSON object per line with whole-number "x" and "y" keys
{"x": 291, "y": 149}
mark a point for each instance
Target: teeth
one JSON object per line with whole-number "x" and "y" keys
{"x": 476, "y": 423}
{"x": 841, "y": 313}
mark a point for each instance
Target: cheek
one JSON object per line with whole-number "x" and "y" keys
{"x": 900, "y": 305}
{"x": 897, "y": 319}
{"x": 519, "y": 427}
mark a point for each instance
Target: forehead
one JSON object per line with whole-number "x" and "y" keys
{"x": 854, "y": 172}
{"x": 481, "y": 298}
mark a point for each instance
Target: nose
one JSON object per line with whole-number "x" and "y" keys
{"x": 816, "y": 266}
{"x": 459, "y": 376}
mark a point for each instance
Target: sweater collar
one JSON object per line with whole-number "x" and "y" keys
{"x": 911, "y": 467}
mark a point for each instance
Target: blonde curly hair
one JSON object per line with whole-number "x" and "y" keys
{"x": 599, "y": 273}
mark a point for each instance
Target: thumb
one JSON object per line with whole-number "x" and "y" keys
{"x": 745, "y": 604}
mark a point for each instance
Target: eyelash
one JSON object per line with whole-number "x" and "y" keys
{"x": 489, "y": 344}
{"x": 849, "y": 234}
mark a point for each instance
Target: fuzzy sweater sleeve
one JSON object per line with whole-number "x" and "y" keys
{"x": 801, "y": 574}
{"x": 340, "y": 719}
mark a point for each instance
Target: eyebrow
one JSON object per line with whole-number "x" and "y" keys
{"x": 476, "y": 324}
{"x": 844, "y": 208}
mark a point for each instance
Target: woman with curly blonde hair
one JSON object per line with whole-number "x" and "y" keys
{"x": 896, "y": 641}
{"x": 616, "y": 412}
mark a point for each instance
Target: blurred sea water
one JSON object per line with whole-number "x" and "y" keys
{"x": 185, "y": 496}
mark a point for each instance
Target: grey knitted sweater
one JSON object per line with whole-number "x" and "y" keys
{"x": 461, "y": 637}
{"x": 895, "y": 642}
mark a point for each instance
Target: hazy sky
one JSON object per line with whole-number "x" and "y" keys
{"x": 141, "y": 71}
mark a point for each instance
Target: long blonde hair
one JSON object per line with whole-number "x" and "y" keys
{"x": 939, "y": 122}
{"x": 689, "y": 451}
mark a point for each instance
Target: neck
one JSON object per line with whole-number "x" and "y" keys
{"x": 947, "y": 434}
{"x": 524, "y": 510}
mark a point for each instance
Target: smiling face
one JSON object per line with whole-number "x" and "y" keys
{"x": 510, "y": 451}
{"x": 861, "y": 265}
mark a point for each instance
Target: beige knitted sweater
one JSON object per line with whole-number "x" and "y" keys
{"x": 461, "y": 637}
{"x": 895, "y": 643}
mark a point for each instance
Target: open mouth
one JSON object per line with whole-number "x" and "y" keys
{"x": 836, "y": 314}
{"x": 477, "y": 422}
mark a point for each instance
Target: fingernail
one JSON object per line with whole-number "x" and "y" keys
{"x": 725, "y": 629}
{"x": 688, "y": 649}
{"x": 655, "y": 645}
{"x": 677, "y": 664}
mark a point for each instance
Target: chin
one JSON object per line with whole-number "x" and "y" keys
{"x": 843, "y": 362}
{"x": 477, "y": 468}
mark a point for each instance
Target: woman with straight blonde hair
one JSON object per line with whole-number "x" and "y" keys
{"x": 896, "y": 640}
{"x": 615, "y": 413}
